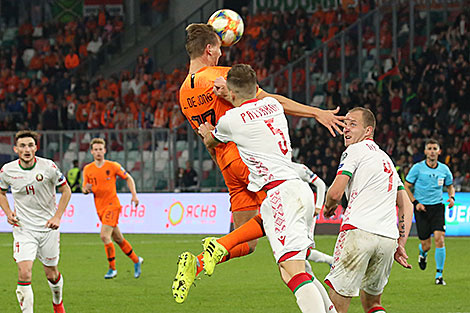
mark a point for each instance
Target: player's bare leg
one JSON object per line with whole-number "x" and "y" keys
{"x": 371, "y": 303}
{"x": 341, "y": 303}
{"x": 308, "y": 296}
{"x": 56, "y": 283}
{"x": 440, "y": 256}
{"x": 127, "y": 249}
{"x": 24, "y": 292}
{"x": 105, "y": 235}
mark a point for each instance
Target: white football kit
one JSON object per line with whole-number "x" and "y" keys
{"x": 34, "y": 192}
{"x": 260, "y": 131}
{"x": 366, "y": 244}
{"x": 307, "y": 175}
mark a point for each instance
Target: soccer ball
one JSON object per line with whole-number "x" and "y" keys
{"x": 228, "y": 25}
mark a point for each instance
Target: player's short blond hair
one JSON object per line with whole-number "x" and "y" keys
{"x": 368, "y": 117}
{"x": 198, "y": 36}
{"x": 98, "y": 141}
{"x": 241, "y": 79}
{"x": 27, "y": 134}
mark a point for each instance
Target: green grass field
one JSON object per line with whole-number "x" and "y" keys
{"x": 249, "y": 284}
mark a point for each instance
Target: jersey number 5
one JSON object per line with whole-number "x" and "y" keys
{"x": 388, "y": 170}
{"x": 201, "y": 119}
{"x": 276, "y": 131}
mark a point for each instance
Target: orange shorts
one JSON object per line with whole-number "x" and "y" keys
{"x": 236, "y": 179}
{"x": 109, "y": 215}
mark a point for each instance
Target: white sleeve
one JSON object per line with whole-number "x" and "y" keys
{"x": 321, "y": 190}
{"x": 57, "y": 177}
{"x": 303, "y": 171}
{"x": 3, "y": 182}
{"x": 222, "y": 131}
{"x": 349, "y": 161}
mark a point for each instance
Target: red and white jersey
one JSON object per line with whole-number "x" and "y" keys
{"x": 33, "y": 191}
{"x": 372, "y": 189}
{"x": 260, "y": 131}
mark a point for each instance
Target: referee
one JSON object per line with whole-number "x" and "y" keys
{"x": 428, "y": 178}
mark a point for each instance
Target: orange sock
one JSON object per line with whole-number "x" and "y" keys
{"x": 199, "y": 264}
{"x": 127, "y": 249}
{"x": 253, "y": 229}
{"x": 111, "y": 254}
{"x": 236, "y": 252}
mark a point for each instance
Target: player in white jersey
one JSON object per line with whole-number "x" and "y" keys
{"x": 369, "y": 238}
{"x": 260, "y": 131}
{"x": 35, "y": 219}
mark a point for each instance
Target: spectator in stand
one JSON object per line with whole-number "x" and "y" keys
{"x": 190, "y": 178}
{"x": 159, "y": 11}
{"x": 71, "y": 60}
{"x": 50, "y": 117}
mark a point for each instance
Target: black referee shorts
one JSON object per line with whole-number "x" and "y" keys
{"x": 431, "y": 220}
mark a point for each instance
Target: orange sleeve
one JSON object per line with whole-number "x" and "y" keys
{"x": 85, "y": 176}
{"x": 120, "y": 170}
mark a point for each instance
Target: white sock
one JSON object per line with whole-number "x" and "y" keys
{"x": 25, "y": 298}
{"x": 329, "y": 306}
{"x": 56, "y": 290}
{"x": 320, "y": 257}
{"x": 309, "y": 299}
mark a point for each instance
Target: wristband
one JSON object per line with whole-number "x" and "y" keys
{"x": 415, "y": 203}
{"x": 453, "y": 198}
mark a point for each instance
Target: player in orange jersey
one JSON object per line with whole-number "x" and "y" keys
{"x": 99, "y": 178}
{"x": 202, "y": 100}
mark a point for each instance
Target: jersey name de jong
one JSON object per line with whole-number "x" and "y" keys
{"x": 372, "y": 189}
{"x": 33, "y": 190}
{"x": 260, "y": 131}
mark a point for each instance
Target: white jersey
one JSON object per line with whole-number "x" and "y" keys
{"x": 260, "y": 131}
{"x": 372, "y": 189}
{"x": 33, "y": 191}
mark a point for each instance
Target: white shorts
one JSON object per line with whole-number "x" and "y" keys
{"x": 287, "y": 213}
{"x": 362, "y": 261}
{"x": 29, "y": 244}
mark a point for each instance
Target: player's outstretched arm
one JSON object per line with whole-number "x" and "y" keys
{"x": 11, "y": 216}
{"x": 131, "y": 184}
{"x": 405, "y": 217}
{"x": 66, "y": 192}
{"x": 321, "y": 190}
{"x": 334, "y": 194}
{"x": 327, "y": 118}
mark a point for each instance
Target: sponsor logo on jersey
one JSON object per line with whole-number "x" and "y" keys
{"x": 39, "y": 177}
{"x": 341, "y": 165}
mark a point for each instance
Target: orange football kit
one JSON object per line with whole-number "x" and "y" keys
{"x": 103, "y": 181}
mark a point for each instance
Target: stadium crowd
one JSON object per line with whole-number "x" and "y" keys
{"x": 417, "y": 99}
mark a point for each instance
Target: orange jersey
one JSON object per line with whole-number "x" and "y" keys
{"x": 199, "y": 104}
{"x": 103, "y": 180}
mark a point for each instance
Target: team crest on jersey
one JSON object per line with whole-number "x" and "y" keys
{"x": 343, "y": 156}
{"x": 39, "y": 177}
{"x": 108, "y": 172}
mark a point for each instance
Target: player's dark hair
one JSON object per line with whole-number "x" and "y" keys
{"x": 27, "y": 134}
{"x": 97, "y": 141}
{"x": 432, "y": 141}
{"x": 198, "y": 36}
{"x": 367, "y": 116}
{"x": 241, "y": 79}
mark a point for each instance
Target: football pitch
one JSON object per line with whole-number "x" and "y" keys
{"x": 248, "y": 284}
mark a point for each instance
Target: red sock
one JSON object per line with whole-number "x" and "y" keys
{"x": 111, "y": 255}
{"x": 298, "y": 281}
{"x": 127, "y": 249}
{"x": 376, "y": 309}
{"x": 199, "y": 264}
{"x": 253, "y": 229}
